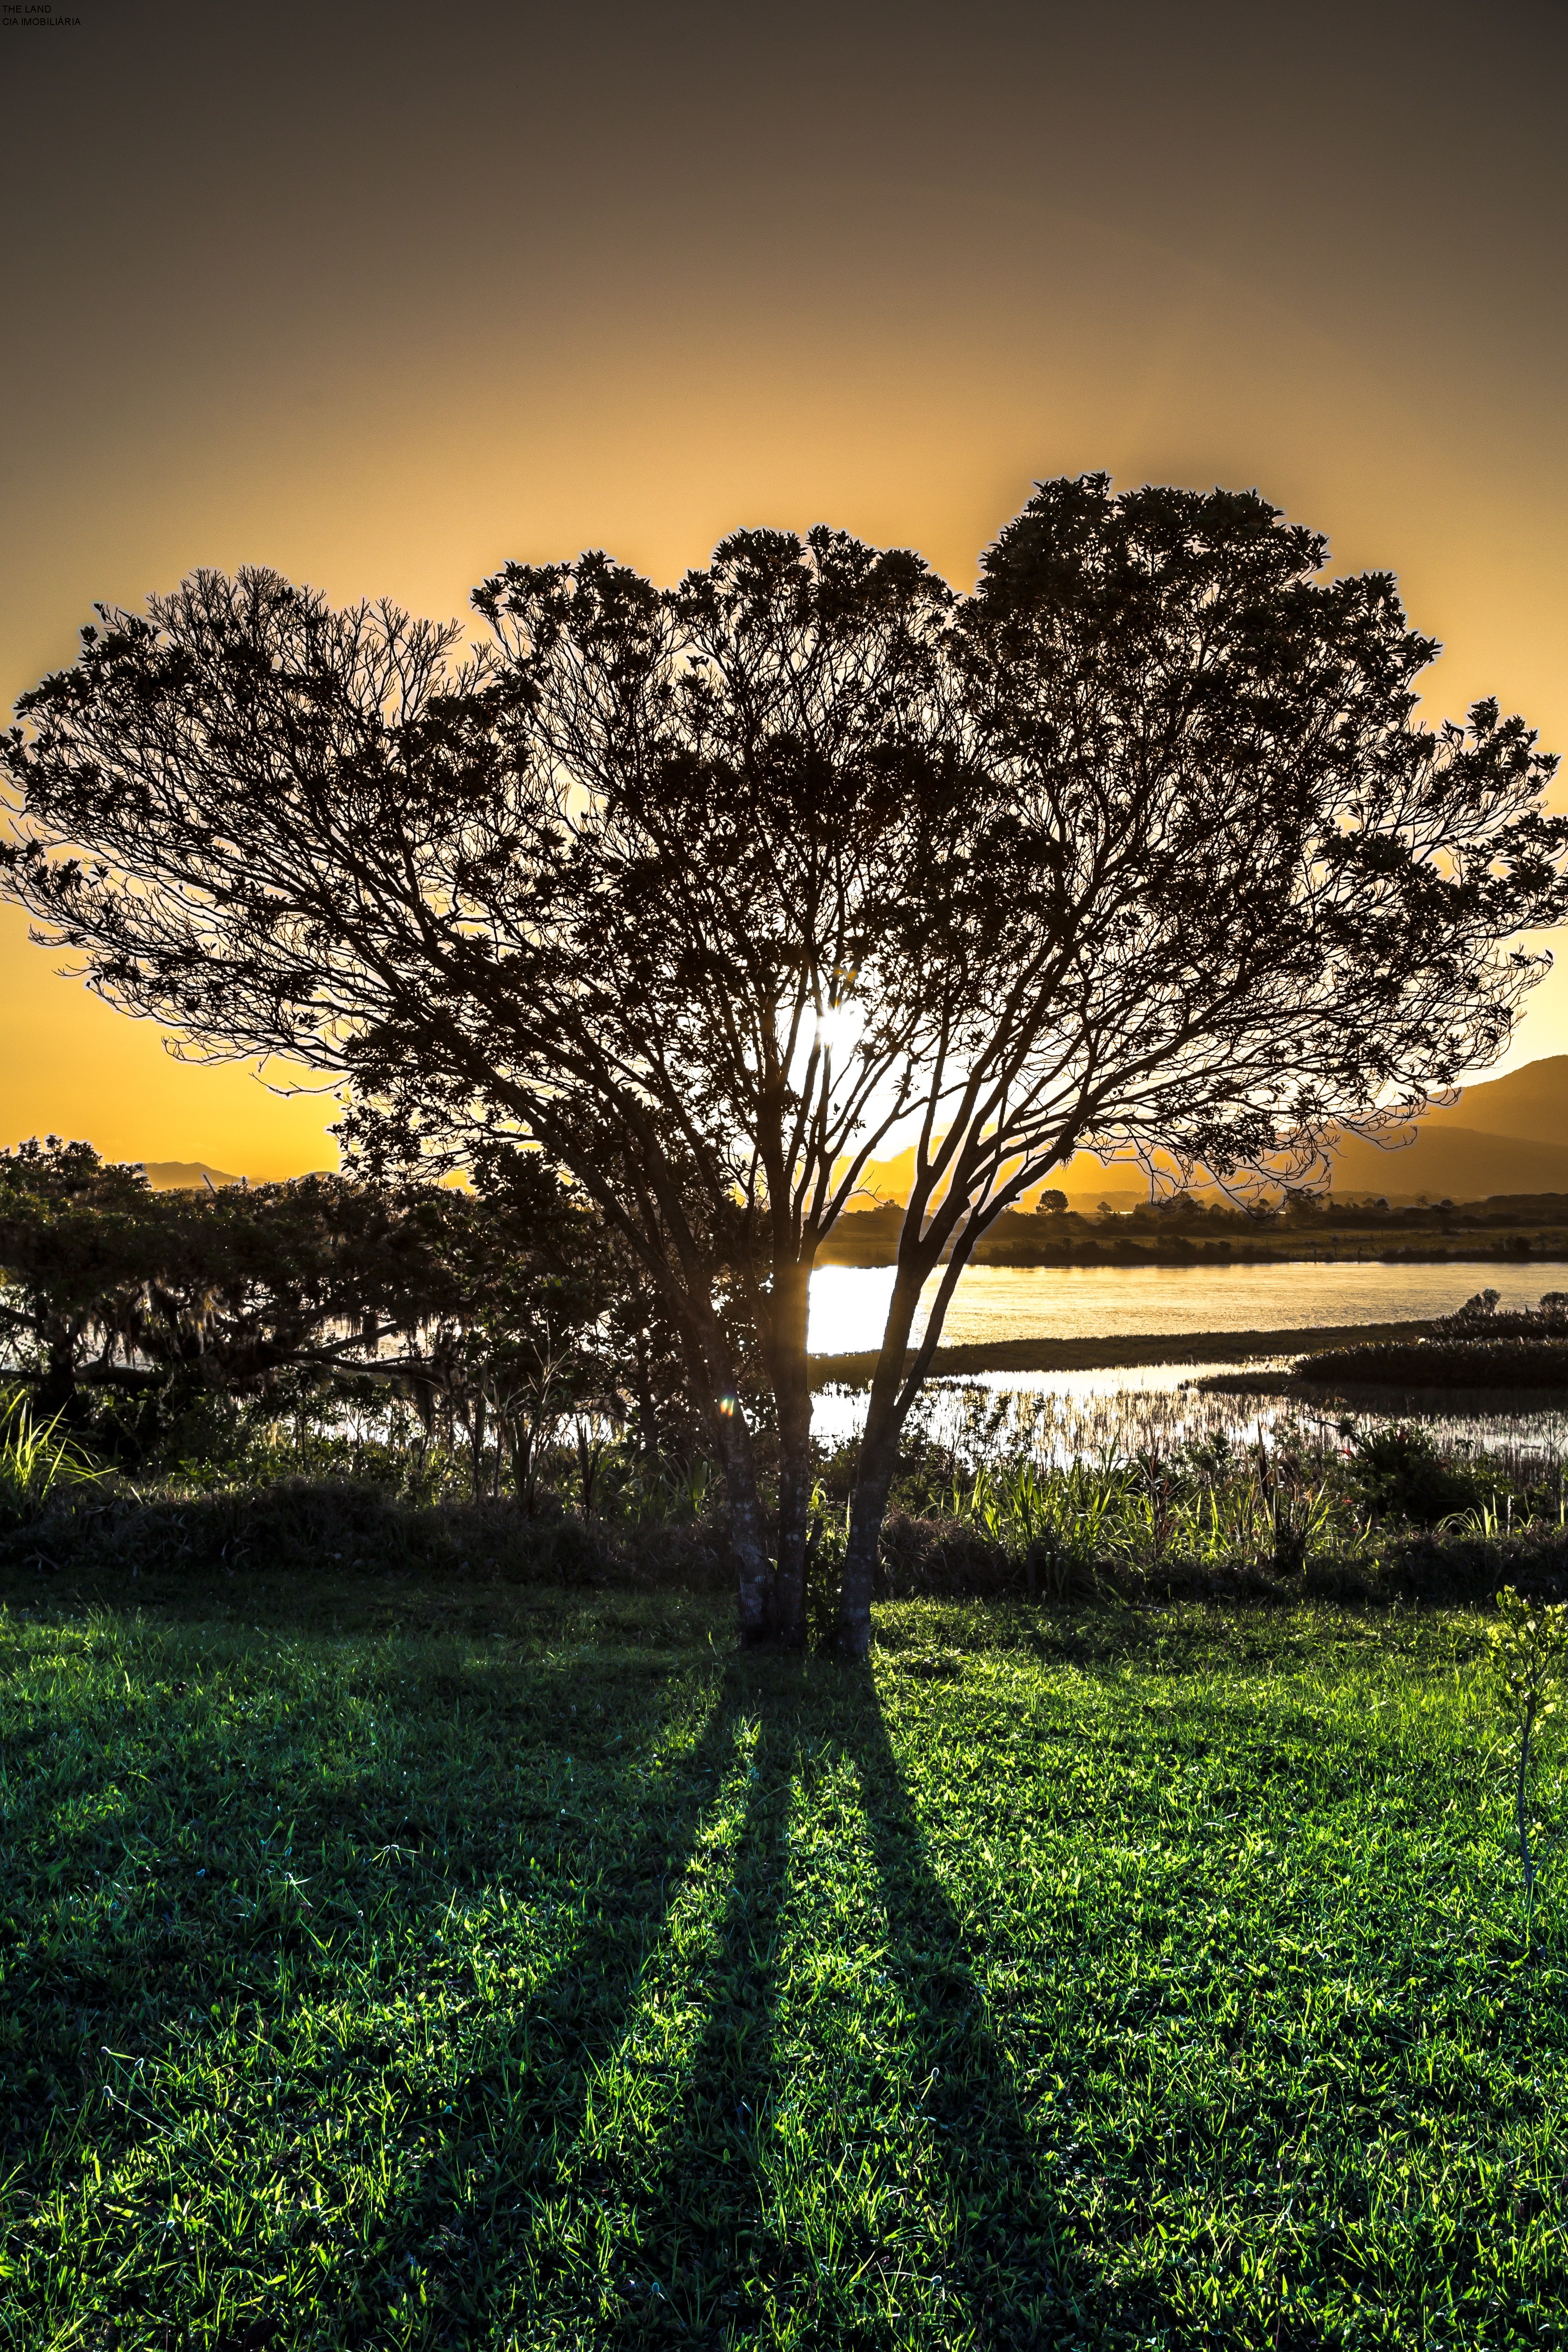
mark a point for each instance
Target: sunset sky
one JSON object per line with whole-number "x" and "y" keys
{"x": 384, "y": 294}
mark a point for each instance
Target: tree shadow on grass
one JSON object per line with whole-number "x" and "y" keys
{"x": 707, "y": 2259}
{"x": 510, "y": 2122}
{"x": 701, "y": 2257}
{"x": 475, "y": 2141}
{"x": 1008, "y": 2250}
{"x": 505, "y": 2202}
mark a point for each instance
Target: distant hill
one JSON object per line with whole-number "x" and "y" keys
{"x": 194, "y": 1175}
{"x": 185, "y": 1175}
{"x": 1502, "y": 1135}
{"x": 1453, "y": 1163}
{"x": 1529, "y": 1106}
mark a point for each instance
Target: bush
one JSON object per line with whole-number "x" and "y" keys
{"x": 1398, "y": 1473}
{"x": 941, "y": 1558}
{"x": 1475, "y": 1348}
{"x": 302, "y": 1526}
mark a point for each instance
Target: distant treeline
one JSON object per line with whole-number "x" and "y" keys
{"x": 1187, "y": 1230}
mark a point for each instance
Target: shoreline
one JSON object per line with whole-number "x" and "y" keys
{"x": 854, "y": 1371}
{"x": 1124, "y": 1252}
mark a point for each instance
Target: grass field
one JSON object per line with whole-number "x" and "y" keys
{"x": 390, "y": 1967}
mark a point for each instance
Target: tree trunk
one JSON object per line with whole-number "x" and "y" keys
{"x": 748, "y": 1534}
{"x": 56, "y": 1392}
{"x": 894, "y": 1389}
{"x": 713, "y": 1383}
{"x": 477, "y": 1442}
{"x": 879, "y": 1460}
{"x": 648, "y": 1411}
{"x": 869, "y": 1507}
{"x": 590, "y": 1453}
{"x": 792, "y": 1394}
{"x": 521, "y": 1434}
{"x": 506, "y": 1439}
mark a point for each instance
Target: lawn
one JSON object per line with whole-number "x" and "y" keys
{"x": 479, "y": 1967}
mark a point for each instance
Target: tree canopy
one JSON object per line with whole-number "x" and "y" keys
{"x": 710, "y": 892}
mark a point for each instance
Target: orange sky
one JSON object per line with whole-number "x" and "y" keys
{"x": 382, "y": 295}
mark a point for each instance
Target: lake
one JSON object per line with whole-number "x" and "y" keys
{"x": 1118, "y": 1412}
{"x": 995, "y": 1303}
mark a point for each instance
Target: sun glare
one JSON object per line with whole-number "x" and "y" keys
{"x": 837, "y": 1030}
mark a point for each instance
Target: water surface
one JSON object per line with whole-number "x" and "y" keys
{"x": 997, "y": 1303}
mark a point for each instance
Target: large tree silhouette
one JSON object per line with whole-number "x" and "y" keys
{"x": 711, "y": 893}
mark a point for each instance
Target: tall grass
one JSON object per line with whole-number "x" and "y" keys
{"x": 33, "y": 1463}
{"x": 1068, "y": 1523}
{"x": 1286, "y": 1500}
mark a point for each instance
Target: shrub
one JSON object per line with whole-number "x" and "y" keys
{"x": 1474, "y": 1348}
{"x": 1399, "y": 1473}
{"x": 941, "y": 1557}
{"x": 1490, "y": 1363}
{"x": 1526, "y": 1667}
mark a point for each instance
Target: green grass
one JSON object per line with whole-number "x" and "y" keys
{"x": 465, "y": 1966}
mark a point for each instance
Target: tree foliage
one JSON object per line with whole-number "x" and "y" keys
{"x": 80, "y": 1244}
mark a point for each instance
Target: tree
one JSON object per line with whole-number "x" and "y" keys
{"x": 106, "y": 1285}
{"x": 511, "y": 1334}
{"x": 710, "y": 893}
{"x": 759, "y": 774}
{"x": 497, "y": 1306}
{"x": 1235, "y": 902}
{"x": 449, "y": 883}
{"x": 80, "y": 1244}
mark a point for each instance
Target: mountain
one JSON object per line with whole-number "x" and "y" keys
{"x": 1529, "y": 1106}
{"x": 1502, "y": 1135}
{"x": 1452, "y": 1163}
{"x": 185, "y": 1175}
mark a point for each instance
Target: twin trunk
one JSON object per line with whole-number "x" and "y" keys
{"x": 773, "y": 1592}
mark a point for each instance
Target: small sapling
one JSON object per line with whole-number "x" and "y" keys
{"x": 1528, "y": 1664}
